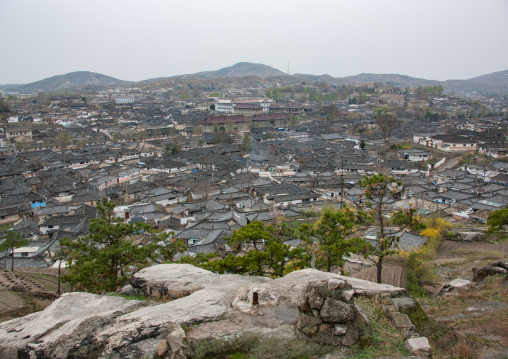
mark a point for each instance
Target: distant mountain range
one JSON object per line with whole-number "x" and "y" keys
{"x": 250, "y": 74}
{"x": 72, "y": 80}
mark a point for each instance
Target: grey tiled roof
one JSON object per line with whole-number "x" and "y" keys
{"x": 411, "y": 242}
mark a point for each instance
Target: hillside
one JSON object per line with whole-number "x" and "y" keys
{"x": 495, "y": 78}
{"x": 243, "y": 69}
{"x": 247, "y": 75}
{"x": 79, "y": 79}
{"x": 250, "y": 74}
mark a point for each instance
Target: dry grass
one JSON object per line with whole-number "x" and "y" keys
{"x": 482, "y": 254}
{"x": 463, "y": 350}
{"x": 386, "y": 340}
{"x": 477, "y": 330}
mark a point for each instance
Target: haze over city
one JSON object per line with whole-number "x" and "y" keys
{"x": 133, "y": 40}
{"x": 264, "y": 179}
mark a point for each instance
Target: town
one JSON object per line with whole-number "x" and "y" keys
{"x": 199, "y": 159}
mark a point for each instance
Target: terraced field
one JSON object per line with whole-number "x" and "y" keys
{"x": 26, "y": 291}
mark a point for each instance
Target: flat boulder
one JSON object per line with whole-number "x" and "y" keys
{"x": 207, "y": 314}
{"x": 419, "y": 346}
{"x": 180, "y": 280}
{"x": 454, "y": 286}
{"x": 65, "y": 327}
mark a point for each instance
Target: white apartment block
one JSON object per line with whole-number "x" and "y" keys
{"x": 225, "y": 106}
{"x": 228, "y": 106}
{"x": 122, "y": 100}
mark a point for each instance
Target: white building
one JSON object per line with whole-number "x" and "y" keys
{"x": 228, "y": 106}
{"x": 122, "y": 100}
{"x": 225, "y": 106}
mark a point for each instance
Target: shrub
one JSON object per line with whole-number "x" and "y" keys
{"x": 418, "y": 270}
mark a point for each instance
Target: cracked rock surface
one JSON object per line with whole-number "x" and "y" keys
{"x": 208, "y": 308}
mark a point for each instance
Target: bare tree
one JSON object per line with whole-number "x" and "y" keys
{"x": 198, "y": 130}
{"x": 331, "y": 112}
{"x": 63, "y": 139}
{"x": 202, "y": 190}
{"x": 178, "y": 143}
{"x": 420, "y": 93}
{"x": 387, "y": 122}
{"x": 24, "y": 143}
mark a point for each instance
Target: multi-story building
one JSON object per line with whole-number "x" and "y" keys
{"x": 15, "y": 132}
{"x": 242, "y": 123}
{"x": 122, "y": 100}
{"x": 418, "y": 103}
{"x": 225, "y": 106}
{"x": 247, "y": 109}
{"x": 392, "y": 100}
{"x": 245, "y": 106}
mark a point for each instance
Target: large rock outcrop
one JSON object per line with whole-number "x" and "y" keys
{"x": 494, "y": 268}
{"x": 328, "y": 315}
{"x": 470, "y": 236}
{"x": 213, "y": 314}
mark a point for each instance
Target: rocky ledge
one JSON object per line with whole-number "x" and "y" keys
{"x": 306, "y": 311}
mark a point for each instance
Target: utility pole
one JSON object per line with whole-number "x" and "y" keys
{"x": 341, "y": 183}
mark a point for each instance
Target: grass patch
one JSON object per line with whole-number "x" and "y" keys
{"x": 479, "y": 331}
{"x": 482, "y": 254}
{"x": 386, "y": 340}
{"x": 497, "y": 236}
{"x": 442, "y": 339}
{"x": 238, "y": 355}
{"x": 251, "y": 345}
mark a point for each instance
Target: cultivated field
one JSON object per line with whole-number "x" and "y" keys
{"x": 27, "y": 290}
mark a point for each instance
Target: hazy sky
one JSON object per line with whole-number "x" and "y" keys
{"x": 137, "y": 40}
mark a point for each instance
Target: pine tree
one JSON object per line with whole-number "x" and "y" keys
{"x": 328, "y": 239}
{"x": 381, "y": 188}
{"x": 12, "y": 240}
{"x": 261, "y": 250}
{"x": 106, "y": 258}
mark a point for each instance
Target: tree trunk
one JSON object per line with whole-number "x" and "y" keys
{"x": 59, "y": 272}
{"x": 379, "y": 267}
{"x": 380, "y": 218}
{"x": 12, "y": 261}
